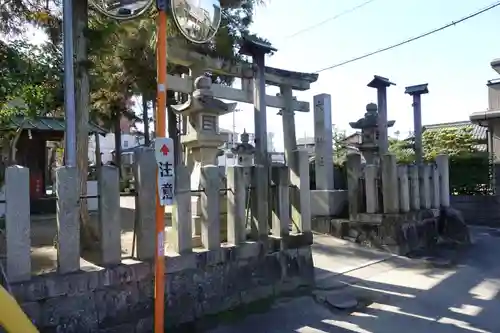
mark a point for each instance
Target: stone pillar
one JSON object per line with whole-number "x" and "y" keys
{"x": 425, "y": 186}
{"x": 109, "y": 216}
{"x": 381, "y": 84}
{"x": 442, "y": 162}
{"x": 236, "y": 193}
{"x": 68, "y": 220}
{"x": 414, "y": 187}
{"x": 182, "y": 217}
{"x": 210, "y": 207}
{"x": 323, "y": 149}
{"x": 304, "y": 192}
{"x": 145, "y": 202}
{"x": 290, "y": 145}
{"x": 435, "y": 184}
{"x": 18, "y": 223}
{"x": 288, "y": 119}
{"x": 404, "y": 189}
{"x": 282, "y": 228}
{"x": 371, "y": 188}
{"x": 390, "y": 196}
{"x": 353, "y": 188}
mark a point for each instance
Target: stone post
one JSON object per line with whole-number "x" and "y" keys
{"x": 414, "y": 187}
{"x": 68, "y": 220}
{"x": 18, "y": 223}
{"x": 404, "y": 189}
{"x": 236, "y": 193}
{"x": 442, "y": 162}
{"x": 323, "y": 149}
{"x": 435, "y": 184}
{"x": 371, "y": 188}
{"x": 425, "y": 186}
{"x": 416, "y": 91}
{"x": 290, "y": 145}
{"x": 390, "y": 196}
{"x": 210, "y": 207}
{"x": 182, "y": 217}
{"x": 304, "y": 192}
{"x": 288, "y": 119}
{"x": 145, "y": 202}
{"x": 381, "y": 84}
{"x": 283, "y": 203}
{"x": 353, "y": 189}
{"x": 109, "y": 215}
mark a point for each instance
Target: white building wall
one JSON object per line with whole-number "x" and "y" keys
{"x": 107, "y": 145}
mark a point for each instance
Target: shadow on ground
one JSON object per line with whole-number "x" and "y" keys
{"x": 44, "y": 230}
{"x": 452, "y": 291}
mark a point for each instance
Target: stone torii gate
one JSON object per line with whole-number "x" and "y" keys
{"x": 287, "y": 81}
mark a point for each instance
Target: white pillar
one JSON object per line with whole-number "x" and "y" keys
{"x": 236, "y": 232}
{"x": 371, "y": 188}
{"x": 323, "y": 149}
{"x": 182, "y": 217}
{"x": 18, "y": 223}
{"x": 404, "y": 189}
{"x": 109, "y": 216}
{"x": 389, "y": 183}
{"x": 435, "y": 187}
{"x": 414, "y": 187}
{"x": 210, "y": 207}
{"x": 442, "y": 162}
{"x": 68, "y": 220}
{"x": 425, "y": 186}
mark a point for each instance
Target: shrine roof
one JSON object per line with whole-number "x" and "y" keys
{"x": 49, "y": 124}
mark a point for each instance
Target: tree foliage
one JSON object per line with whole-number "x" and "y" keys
{"x": 469, "y": 166}
{"x": 113, "y": 62}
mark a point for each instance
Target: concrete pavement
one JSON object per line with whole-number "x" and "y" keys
{"x": 457, "y": 294}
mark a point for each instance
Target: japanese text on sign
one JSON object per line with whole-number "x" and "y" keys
{"x": 164, "y": 154}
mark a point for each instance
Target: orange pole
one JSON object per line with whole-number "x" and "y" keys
{"x": 161, "y": 105}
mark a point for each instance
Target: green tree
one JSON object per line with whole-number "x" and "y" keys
{"x": 119, "y": 61}
{"x": 30, "y": 85}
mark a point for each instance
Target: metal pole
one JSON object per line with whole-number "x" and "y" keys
{"x": 417, "y": 124}
{"x": 161, "y": 105}
{"x": 69, "y": 84}
{"x": 260, "y": 120}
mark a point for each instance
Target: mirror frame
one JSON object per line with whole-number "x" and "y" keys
{"x": 184, "y": 33}
{"x": 95, "y": 4}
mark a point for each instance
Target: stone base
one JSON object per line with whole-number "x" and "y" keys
{"x": 120, "y": 299}
{"x": 400, "y": 234}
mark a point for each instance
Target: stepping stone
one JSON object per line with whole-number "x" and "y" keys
{"x": 342, "y": 301}
{"x": 330, "y": 283}
{"x": 439, "y": 262}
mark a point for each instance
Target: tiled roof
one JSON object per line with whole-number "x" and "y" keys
{"x": 48, "y": 124}
{"x": 478, "y": 132}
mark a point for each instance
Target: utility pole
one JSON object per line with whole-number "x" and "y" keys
{"x": 69, "y": 85}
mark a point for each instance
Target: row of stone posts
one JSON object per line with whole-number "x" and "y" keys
{"x": 180, "y": 236}
{"x": 401, "y": 188}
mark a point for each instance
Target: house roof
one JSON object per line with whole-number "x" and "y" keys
{"x": 51, "y": 124}
{"x": 308, "y": 140}
{"x": 478, "y": 132}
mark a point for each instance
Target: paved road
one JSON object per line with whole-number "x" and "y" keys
{"x": 395, "y": 295}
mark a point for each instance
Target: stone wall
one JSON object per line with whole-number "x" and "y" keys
{"x": 478, "y": 209}
{"x": 120, "y": 299}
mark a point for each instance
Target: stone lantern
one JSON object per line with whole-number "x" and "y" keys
{"x": 244, "y": 151}
{"x": 202, "y": 139}
{"x": 203, "y": 110}
{"x": 369, "y": 133}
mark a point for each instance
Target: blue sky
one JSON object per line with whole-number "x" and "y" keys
{"x": 455, "y": 62}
